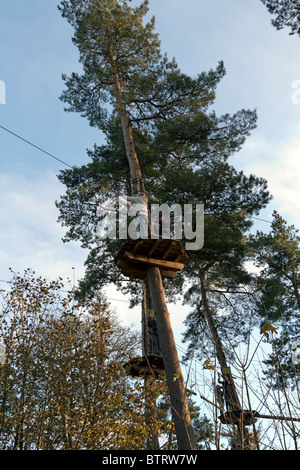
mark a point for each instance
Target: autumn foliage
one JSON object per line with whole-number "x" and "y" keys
{"x": 63, "y": 385}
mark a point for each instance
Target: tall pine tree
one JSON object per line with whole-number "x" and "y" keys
{"x": 155, "y": 118}
{"x": 277, "y": 254}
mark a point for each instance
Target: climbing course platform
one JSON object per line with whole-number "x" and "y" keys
{"x": 245, "y": 417}
{"x": 140, "y": 367}
{"x": 136, "y": 256}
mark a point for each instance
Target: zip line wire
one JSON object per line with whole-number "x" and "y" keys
{"x": 262, "y": 220}
{"x": 70, "y": 166}
{"x": 33, "y": 145}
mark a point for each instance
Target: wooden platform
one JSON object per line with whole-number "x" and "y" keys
{"x": 136, "y": 256}
{"x": 140, "y": 367}
{"x": 245, "y": 417}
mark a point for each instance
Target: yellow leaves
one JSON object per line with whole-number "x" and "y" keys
{"x": 68, "y": 368}
{"x": 268, "y": 328}
{"x": 84, "y": 189}
{"x": 208, "y": 365}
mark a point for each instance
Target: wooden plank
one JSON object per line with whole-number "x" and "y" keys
{"x": 129, "y": 270}
{"x": 157, "y": 242}
{"x": 137, "y": 246}
{"x": 168, "y": 251}
{"x": 182, "y": 253}
{"x": 154, "y": 262}
{"x": 159, "y": 248}
{"x": 168, "y": 274}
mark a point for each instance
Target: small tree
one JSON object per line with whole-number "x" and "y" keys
{"x": 63, "y": 385}
{"x": 277, "y": 254}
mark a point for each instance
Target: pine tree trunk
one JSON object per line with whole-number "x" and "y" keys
{"x": 234, "y": 399}
{"x": 151, "y": 411}
{"x": 235, "y": 404}
{"x": 134, "y": 165}
{"x": 184, "y": 430}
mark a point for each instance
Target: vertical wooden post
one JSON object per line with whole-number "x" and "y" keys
{"x": 151, "y": 412}
{"x": 181, "y": 416}
{"x": 134, "y": 165}
{"x": 184, "y": 431}
{"x": 145, "y": 336}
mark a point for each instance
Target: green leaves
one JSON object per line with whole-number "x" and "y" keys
{"x": 182, "y": 145}
{"x": 287, "y": 14}
{"x": 267, "y": 328}
{"x": 111, "y": 37}
{"x": 277, "y": 255}
{"x": 63, "y": 385}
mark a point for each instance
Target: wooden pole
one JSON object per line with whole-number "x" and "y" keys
{"x": 134, "y": 165}
{"x": 183, "y": 425}
{"x": 279, "y": 418}
{"x": 151, "y": 412}
{"x": 184, "y": 431}
{"x": 145, "y": 336}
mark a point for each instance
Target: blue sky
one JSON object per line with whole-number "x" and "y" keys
{"x": 262, "y": 67}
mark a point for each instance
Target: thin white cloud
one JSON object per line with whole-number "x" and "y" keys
{"x": 283, "y": 179}
{"x": 30, "y": 236}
